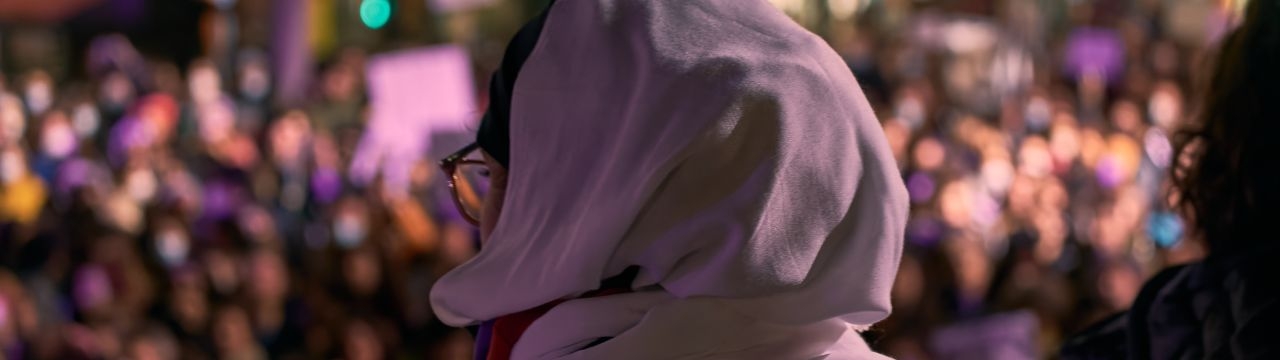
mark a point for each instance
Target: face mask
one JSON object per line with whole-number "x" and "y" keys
{"x": 141, "y": 186}
{"x": 172, "y": 246}
{"x": 254, "y": 83}
{"x": 1037, "y": 115}
{"x": 12, "y": 167}
{"x": 85, "y": 120}
{"x": 348, "y": 231}
{"x": 58, "y": 140}
{"x": 39, "y": 96}
{"x": 911, "y": 111}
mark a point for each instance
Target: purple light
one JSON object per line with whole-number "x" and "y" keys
{"x": 921, "y": 188}
{"x": 1095, "y": 50}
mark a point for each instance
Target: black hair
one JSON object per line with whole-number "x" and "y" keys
{"x": 494, "y": 135}
{"x": 1226, "y": 176}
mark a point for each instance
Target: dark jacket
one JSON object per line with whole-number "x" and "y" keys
{"x": 1224, "y": 308}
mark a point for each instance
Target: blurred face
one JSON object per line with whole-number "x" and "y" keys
{"x": 929, "y": 153}
{"x": 362, "y": 343}
{"x": 270, "y": 278}
{"x": 217, "y": 122}
{"x": 189, "y": 307}
{"x": 1037, "y": 113}
{"x": 997, "y": 175}
{"x": 911, "y": 110}
{"x": 57, "y": 137}
{"x": 255, "y": 82}
{"x": 172, "y": 245}
{"x": 1022, "y": 196}
{"x": 362, "y": 272}
{"x": 204, "y": 84}
{"x": 1126, "y": 117}
{"x": 13, "y": 166}
{"x": 141, "y": 184}
{"x": 898, "y": 136}
{"x": 1064, "y": 143}
{"x": 1034, "y": 158}
{"x": 350, "y": 223}
{"x": 1165, "y": 106}
{"x": 39, "y": 93}
{"x": 85, "y": 120}
{"x": 288, "y": 137}
{"x": 116, "y": 91}
{"x": 340, "y": 84}
{"x": 221, "y": 268}
{"x": 956, "y": 203}
{"x": 231, "y": 330}
{"x": 12, "y": 119}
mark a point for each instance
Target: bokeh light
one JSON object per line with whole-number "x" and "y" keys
{"x": 375, "y": 13}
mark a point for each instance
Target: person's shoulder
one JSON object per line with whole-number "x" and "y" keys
{"x": 749, "y": 41}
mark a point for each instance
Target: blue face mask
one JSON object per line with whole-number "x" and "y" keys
{"x": 348, "y": 231}
{"x": 1165, "y": 229}
{"x": 172, "y": 247}
{"x": 1037, "y": 115}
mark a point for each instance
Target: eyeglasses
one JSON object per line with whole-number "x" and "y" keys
{"x": 465, "y": 176}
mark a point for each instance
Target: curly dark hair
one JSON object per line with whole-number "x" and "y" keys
{"x": 1227, "y": 175}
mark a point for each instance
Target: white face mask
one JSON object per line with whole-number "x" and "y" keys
{"x": 85, "y": 120}
{"x": 12, "y": 167}
{"x": 58, "y": 140}
{"x": 172, "y": 246}
{"x": 39, "y": 96}
{"x": 911, "y": 111}
{"x": 348, "y": 231}
{"x": 141, "y": 185}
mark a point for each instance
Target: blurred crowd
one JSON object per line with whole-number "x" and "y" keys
{"x": 185, "y": 217}
{"x": 148, "y": 212}
{"x": 1035, "y": 144}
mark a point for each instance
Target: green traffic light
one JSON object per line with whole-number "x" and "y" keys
{"x": 375, "y": 13}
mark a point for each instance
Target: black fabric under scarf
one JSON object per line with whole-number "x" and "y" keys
{"x": 495, "y": 130}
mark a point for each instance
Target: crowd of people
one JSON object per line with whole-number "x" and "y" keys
{"x": 187, "y": 215}
{"x": 1037, "y": 154}
{"x": 148, "y": 220}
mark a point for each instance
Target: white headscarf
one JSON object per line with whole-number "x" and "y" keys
{"x": 718, "y": 146}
